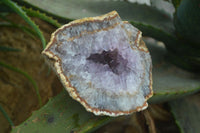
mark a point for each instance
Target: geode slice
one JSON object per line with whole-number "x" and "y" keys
{"x": 103, "y": 63}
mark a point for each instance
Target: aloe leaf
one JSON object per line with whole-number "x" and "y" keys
{"x": 186, "y": 20}
{"x": 61, "y": 114}
{"x": 20, "y": 12}
{"x": 164, "y": 5}
{"x": 147, "y": 2}
{"x": 186, "y": 113}
{"x": 6, "y": 116}
{"x": 28, "y": 5}
{"x": 6, "y": 49}
{"x": 156, "y": 33}
{"x": 169, "y": 81}
{"x": 27, "y": 76}
{"x": 42, "y": 16}
{"x": 190, "y": 63}
{"x": 76, "y": 9}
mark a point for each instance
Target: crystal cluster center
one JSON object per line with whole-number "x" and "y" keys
{"x": 113, "y": 59}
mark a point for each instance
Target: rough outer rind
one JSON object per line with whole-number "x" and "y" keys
{"x": 56, "y": 62}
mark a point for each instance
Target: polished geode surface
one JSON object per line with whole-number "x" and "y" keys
{"x": 103, "y": 64}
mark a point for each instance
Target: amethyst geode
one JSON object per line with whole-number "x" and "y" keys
{"x": 103, "y": 63}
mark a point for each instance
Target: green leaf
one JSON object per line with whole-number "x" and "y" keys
{"x": 28, "y": 5}
{"x": 20, "y": 12}
{"x": 61, "y": 114}
{"x": 186, "y": 20}
{"x": 158, "y": 34}
{"x": 42, "y": 16}
{"x": 164, "y": 5}
{"x": 186, "y": 113}
{"x": 6, "y": 48}
{"x": 169, "y": 81}
{"x": 190, "y": 63}
{"x": 76, "y": 9}
{"x": 27, "y": 76}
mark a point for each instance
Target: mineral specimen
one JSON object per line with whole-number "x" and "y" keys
{"x": 103, "y": 64}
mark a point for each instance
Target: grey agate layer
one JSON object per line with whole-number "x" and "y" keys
{"x": 96, "y": 82}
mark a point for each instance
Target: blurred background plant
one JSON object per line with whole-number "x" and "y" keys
{"x": 171, "y": 29}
